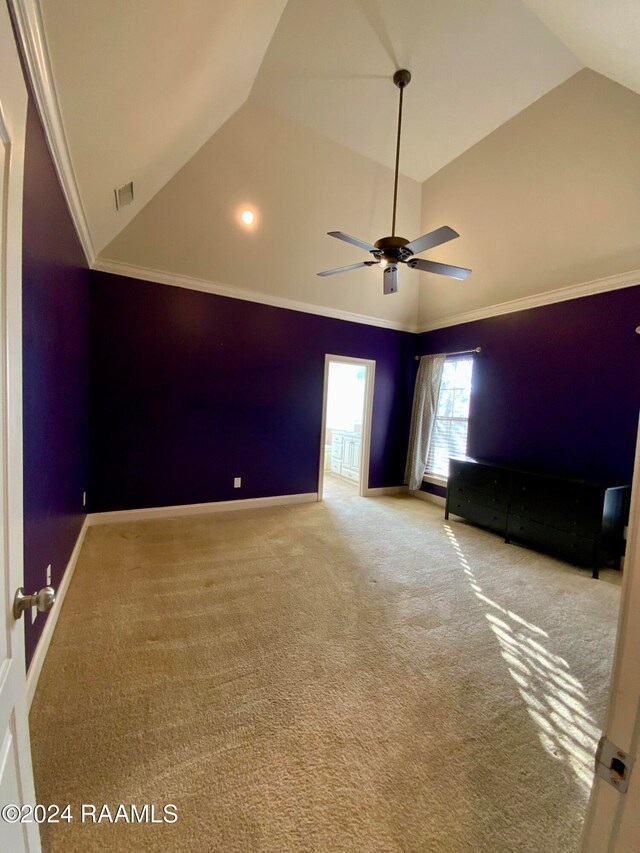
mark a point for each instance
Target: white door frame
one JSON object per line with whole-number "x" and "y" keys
{"x": 16, "y": 775}
{"x": 367, "y": 414}
{"x": 612, "y": 823}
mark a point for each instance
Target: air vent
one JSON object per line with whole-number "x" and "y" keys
{"x": 124, "y": 195}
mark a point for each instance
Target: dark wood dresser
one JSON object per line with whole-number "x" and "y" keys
{"x": 580, "y": 520}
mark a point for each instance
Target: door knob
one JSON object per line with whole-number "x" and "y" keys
{"x": 43, "y": 600}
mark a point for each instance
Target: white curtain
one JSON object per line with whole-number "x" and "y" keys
{"x": 425, "y": 402}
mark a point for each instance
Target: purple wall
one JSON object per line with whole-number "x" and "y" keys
{"x": 556, "y": 387}
{"x": 189, "y": 390}
{"x": 55, "y": 373}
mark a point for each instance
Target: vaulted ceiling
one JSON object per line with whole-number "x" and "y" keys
{"x": 603, "y": 34}
{"x": 474, "y": 66}
{"x": 163, "y": 94}
{"x": 142, "y": 85}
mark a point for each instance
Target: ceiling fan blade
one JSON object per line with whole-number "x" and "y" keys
{"x": 390, "y": 279}
{"x": 433, "y": 238}
{"x": 347, "y": 268}
{"x": 440, "y": 269}
{"x": 340, "y": 235}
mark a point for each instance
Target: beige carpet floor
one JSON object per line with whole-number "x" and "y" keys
{"x": 355, "y": 675}
{"x": 335, "y": 487}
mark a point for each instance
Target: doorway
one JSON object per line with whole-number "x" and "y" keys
{"x": 346, "y": 427}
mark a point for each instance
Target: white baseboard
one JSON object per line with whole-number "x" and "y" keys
{"x": 35, "y": 667}
{"x": 197, "y": 509}
{"x": 384, "y": 490}
{"x": 427, "y": 496}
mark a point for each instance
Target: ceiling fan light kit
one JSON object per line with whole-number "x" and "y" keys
{"x": 388, "y": 252}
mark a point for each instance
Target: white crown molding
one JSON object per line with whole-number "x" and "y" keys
{"x": 30, "y": 25}
{"x": 574, "y": 291}
{"x": 186, "y": 281}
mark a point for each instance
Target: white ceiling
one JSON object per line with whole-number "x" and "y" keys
{"x": 475, "y": 64}
{"x": 142, "y": 85}
{"x": 550, "y": 199}
{"x": 299, "y": 185}
{"x": 142, "y": 88}
{"x": 603, "y": 34}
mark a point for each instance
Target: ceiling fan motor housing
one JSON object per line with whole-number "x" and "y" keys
{"x": 392, "y": 249}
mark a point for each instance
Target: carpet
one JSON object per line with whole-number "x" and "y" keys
{"x": 352, "y": 675}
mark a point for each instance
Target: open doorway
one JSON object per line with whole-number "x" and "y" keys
{"x": 346, "y": 427}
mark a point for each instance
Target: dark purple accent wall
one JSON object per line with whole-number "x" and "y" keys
{"x": 55, "y": 373}
{"x": 555, "y": 387}
{"x": 189, "y": 390}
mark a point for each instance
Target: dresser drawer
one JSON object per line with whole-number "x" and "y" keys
{"x": 565, "y": 506}
{"x": 479, "y": 484}
{"x": 484, "y": 494}
{"x": 475, "y": 474}
{"x": 487, "y": 517}
{"x": 579, "y": 549}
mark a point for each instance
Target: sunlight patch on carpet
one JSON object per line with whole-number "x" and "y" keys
{"x": 555, "y": 700}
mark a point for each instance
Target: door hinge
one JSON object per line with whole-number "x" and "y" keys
{"x": 613, "y": 765}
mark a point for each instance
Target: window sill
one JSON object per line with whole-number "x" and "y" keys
{"x": 435, "y": 480}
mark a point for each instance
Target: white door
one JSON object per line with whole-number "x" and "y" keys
{"x": 613, "y": 819}
{"x": 16, "y": 775}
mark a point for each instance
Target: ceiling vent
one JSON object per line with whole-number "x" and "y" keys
{"x": 124, "y": 195}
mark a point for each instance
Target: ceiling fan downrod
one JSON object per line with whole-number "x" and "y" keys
{"x": 389, "y": 252}
{"x": 401, "y": 78}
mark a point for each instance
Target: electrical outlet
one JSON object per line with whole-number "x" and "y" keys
{"x": 84, "y": 499}
{"x": 237, "y": 482}
{"x": 49, "y": 575}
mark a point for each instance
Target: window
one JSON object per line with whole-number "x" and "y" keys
{"x": 449, "y": 436}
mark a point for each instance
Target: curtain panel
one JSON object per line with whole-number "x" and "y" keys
{"x": 425, "y": 402}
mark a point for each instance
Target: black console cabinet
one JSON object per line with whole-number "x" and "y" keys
{"x": 579, "y": 520}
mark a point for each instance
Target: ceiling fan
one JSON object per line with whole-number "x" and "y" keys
{"x": 388, "y": 252}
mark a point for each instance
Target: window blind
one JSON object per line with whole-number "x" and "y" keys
{"x": 449, "y": 435}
